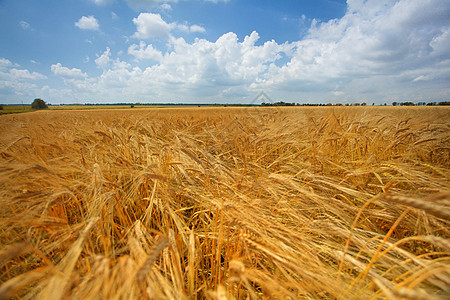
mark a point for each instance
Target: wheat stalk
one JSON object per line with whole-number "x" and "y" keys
{"x": 428, "y": 206}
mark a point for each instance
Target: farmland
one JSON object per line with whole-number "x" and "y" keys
{"x": 226, "y": 203}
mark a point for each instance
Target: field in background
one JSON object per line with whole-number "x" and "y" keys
{"x": 15, "y": 109}
{"x": 223, "y": 203}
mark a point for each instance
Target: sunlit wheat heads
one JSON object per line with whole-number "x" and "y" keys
{"x": 226, "y": 203}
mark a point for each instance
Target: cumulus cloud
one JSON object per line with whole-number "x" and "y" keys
{"x": 196, "y": 28}
{"x": 65, "y": 72}
{"x": 9, "y": 71}
{"x": 375, "y": 39}
{"x": 384, "y": 49}
{"x": 145, "y": 52}
{"x": 190, "y": 28}
{"x": 87, "y": 23}
{"x": 225, "y": 67}
{"x": 380, "y": 49}
{"x": 103, "y": 60}
{"x": 151, "y": 25}
{"x": 106, "y": 63}
{"x": 18, "y": 83}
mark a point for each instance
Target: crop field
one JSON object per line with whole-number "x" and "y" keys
{"x": 14, "y": 109}
{"x": 226, "y": 203}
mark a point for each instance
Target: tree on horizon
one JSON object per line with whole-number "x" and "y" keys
{"x": 38, "y": 103}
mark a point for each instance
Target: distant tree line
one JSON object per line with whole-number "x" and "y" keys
{"x": 408, "y": 103}
{"x": 39, "y": 104}
{"x": 280, "y": 103}
{"x": 163, "y": 104}
{"x": 420, "y": 103}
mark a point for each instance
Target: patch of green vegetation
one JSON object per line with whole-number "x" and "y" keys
{"x": 15, "y": 109}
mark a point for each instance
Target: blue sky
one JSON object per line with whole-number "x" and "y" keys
{"x": 224, "y": 51}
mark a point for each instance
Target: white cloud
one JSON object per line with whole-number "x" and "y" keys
{"x": 420, "y": 78}
{"x": 145, "y": 52}
{"x": 165, "y": 6}
{"x": 65, "y": 72}
{"x": 87, "y": 23}
{"x": 374, "y": 49}
{"x": 25, "y": 25}
{"x": 338, "y": 93}
{"x": 225, "y": 67}
{"x": 440, "y": 43}
{"x": 378, "y": 51}
{"x": 150, "y": 25}
{"x": 190, "y": 28}
{"x": 16, "y": 74}
{"x": 183, "y": 27}
{"x": 375, "y": 39}
{"x": 18, "y": 84}
{"x": 9, "y": 71}
{"x": 103, "y": 60}
{"x": 6, "y": 63}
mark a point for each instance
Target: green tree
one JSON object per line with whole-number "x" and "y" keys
{"x": 38, "y": 104}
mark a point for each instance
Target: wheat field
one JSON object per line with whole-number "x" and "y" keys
{"x": 226, "y": 203}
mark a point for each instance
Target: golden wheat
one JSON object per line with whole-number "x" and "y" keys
{"x": 225, "y": 203}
